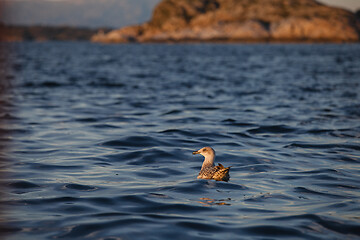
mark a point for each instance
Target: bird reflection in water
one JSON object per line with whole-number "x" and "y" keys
{"x": 211, "y": 202}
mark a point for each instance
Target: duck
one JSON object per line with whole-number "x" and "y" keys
{"x": 208, "y": 169}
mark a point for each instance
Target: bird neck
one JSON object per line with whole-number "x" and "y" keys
{"x": 208, "y": 162}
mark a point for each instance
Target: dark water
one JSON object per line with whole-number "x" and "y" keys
{"x": 101, "y": 139}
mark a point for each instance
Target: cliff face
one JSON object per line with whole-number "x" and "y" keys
{"x": 241, "y": 20}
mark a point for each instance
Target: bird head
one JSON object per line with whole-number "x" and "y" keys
{"x": 206, "y": 152}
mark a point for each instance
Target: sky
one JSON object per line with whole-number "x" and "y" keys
{"x": 96, "y": 13}
{"x": 352, "y": 5}
{"x": 349, "y": 4}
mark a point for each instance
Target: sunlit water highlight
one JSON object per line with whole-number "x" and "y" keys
{"x": 102, "y": 137}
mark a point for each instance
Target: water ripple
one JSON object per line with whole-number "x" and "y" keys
{"x": 97, "y": 140}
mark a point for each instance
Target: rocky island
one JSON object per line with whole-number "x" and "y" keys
{"x": 240, "y": 21}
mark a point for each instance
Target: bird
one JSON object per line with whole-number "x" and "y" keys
{"x": 208, "y": 169}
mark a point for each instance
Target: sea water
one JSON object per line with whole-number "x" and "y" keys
{"x": 100, "y": 139}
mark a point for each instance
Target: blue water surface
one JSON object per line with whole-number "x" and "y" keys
{"x": 99, "y": 141}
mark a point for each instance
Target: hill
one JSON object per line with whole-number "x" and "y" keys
{"x": 240, "y": 20}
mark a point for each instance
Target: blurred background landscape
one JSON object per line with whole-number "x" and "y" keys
{"x": 42, "y": 20}
{"x": 96, "y": 13}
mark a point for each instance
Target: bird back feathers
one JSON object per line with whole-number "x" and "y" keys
{"x": 221, "y": 173}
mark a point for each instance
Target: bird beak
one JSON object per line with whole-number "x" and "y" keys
{"x": 196, "y": 152}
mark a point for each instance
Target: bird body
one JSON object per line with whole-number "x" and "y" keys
{"x": 208, "y": 169}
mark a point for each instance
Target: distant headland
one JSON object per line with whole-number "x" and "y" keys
{"x": 241, "y": 21}
{"x": 11, "y": 33}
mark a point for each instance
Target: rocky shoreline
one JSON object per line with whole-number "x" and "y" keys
{"x": 240, "y": 21}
